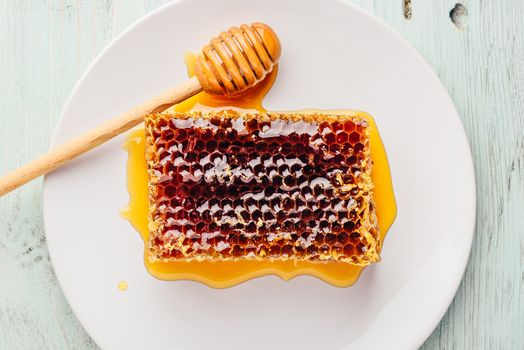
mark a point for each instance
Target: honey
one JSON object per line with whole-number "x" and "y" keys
{"x": 122, "y": 286}
{"x": 229, "y": 185}
{"x": 222, "y": 273}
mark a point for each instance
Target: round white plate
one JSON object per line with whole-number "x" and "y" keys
{"x": 334, "y": 56}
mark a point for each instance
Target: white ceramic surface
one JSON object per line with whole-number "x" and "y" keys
{"x": 334, "y": 56}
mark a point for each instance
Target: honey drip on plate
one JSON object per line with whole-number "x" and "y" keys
{"x": 228, "y": 273}
{"x": 122, "y": 286}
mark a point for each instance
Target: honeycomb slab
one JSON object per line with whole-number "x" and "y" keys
{"x": 229, "y": 186}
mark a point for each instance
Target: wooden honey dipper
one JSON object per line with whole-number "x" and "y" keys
{"x": 230, "y": 64}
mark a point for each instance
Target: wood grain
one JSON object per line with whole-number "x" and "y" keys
{"x": 46, "y": 45}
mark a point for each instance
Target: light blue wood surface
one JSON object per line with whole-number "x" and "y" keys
{"x": 46, "y": 45}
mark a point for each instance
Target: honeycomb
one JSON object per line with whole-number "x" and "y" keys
{"x": 229, "y": 185}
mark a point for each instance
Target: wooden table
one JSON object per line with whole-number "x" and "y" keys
{"x": 46, "y": 45}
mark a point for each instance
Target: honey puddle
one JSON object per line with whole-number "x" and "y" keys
{"x": 229, "y": 273}
{"x": 122, "y": 286}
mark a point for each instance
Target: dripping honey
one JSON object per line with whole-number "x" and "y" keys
{"x": 227, "y": 273}
{"x": 122, "y": 286}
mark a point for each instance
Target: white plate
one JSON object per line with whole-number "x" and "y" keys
{"x": 334, "y": 56}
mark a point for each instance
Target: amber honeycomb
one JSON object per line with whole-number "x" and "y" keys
{"x": 229, "y": 185}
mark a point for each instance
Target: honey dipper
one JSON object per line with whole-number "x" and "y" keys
{"x": 230, "y": 64}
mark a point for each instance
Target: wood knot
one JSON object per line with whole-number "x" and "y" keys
{"x": 407, "y": 9}
{"x": 459, "y": 16}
